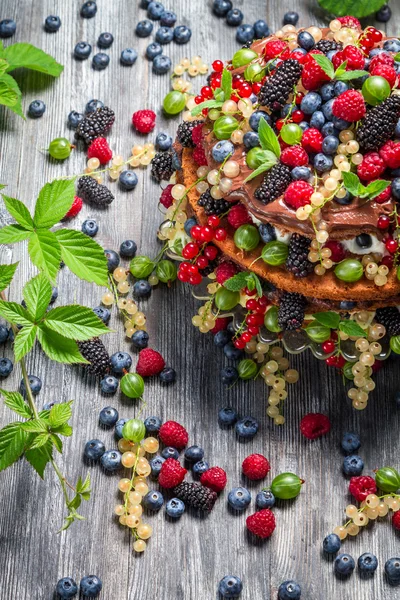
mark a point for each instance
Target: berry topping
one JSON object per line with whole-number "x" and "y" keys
{"x": 313, "y": 76}
{"x": 262, "y": 523}
{"x": 171, "y": 474}
{"x": 390, "y": 153}
{"x": 150, "y": 363}
{"x": 371, "y": 167}
{"x": 349, "y": 106}
{"x": 173, "y": 434}
{"x": 294, "y": 156}
{"x": 312, "y": 140}
{"x": 255, "y": 467}
{"x": 239, "y": 215}
{"x": 314, "y": 425}
{"x": 298, "y": 193}
{"x": 276, "y": 48}
{"x": 225, "y": 271}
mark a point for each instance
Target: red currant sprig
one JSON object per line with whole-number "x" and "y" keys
{"x": 254, "y": 319}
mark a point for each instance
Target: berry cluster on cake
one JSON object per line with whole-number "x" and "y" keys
{"x": 288, "y": 165}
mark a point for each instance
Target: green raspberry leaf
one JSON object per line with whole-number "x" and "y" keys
{"x": 329, "y": 319}
{"x": 24, "y": 341}
{"x": 237, "y": 282}
{"x": 39, "y": 440}
{"x": 6, "y": 275}
{"x": 10, "y": 94}
{"x": 39, "y": 457}
{"x": 12, "y": 444}
{"x": 359, "y": 9}
{"x": 59, "y": 348}
{"x": 54, "y": 201}
{"x": 60, "y": 414}
{"x": 352, "y": 329}
{"x": 325, "y": 64}
{"x": 268, "y": 139}
{"x": 12, "y": 234}
{"x": 349, "y": 75}
{"x": 18, "y": 210}
{"x": 28, "y": 56}
{"x": 37, "y": 295}
{"x": 45, "y": 252}
{"x": 35, "y": 426}
{"x": 75, "y": 322}
{"x": 15, "y": 313}
{"x": 15, "y": 402}
{"x": 83, "y": 256}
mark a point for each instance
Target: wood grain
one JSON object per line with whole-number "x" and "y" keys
{"x": 185, "y": 560}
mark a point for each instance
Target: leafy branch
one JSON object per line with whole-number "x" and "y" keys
{"x": 242, "y": 280}
{"x": 340, "y": 74}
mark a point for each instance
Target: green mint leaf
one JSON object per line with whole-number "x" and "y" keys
{"x": 329, "y": 319}
{"x": 65, "y": 429}
{"x": 268, "y": 139}
{"x": 45, "y": 252}
{"x": 375, "y": 188}
{"x": 352, "y": 329}
{"x": 10, "y": 94}
{"x": 359, "y": 9}
{"x": 30, "y": 57}
{"x": 60, "y": 414}
{"x": 12, "y": 444}
{"x": 6, "y": 275}
{"x": 75, "y": 322}
{"x": 254, "y": 282}
{"x": 207, "y": 104}
{"x": 35, "y": 426}
{"x": 39, "y": 457}
{"x": 348, "y": 75}
{"x": 341, "y": 69}
{"x": 237, "y": 282}
{"x": 15, "y": 402}
{"x": 18, "y": 210}
{"x": 24, "y": 341}
{"x": 325, "y": 64}
{"x": 266, "y": 166}
{"x": 352, "y": 183}
{"x": 397, "y": 57}
{"x": 39, "y": 440}
{"x": 11, "y": 234}
{"x": 83, "y": 256}
{"x": 15, "y": 313}
{"x": 226, "y": 83}
{"x": 57, "y": 443}
{"x": 54, "y": 201}
{"x": 59, "y": 348}
{"x": 37, "y": 295}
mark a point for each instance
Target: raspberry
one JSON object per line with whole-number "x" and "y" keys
{"x": 100, "y": 149}
{"x": 276, "y": 48}
{"x": 384, "y": 196}
{"x": 197, "y": 134}
{"x": 298, "y": 193}
{"x": 314, "y": 425}
{"x": 166, "y": 198}
{"x": 349, "y": 106}
{"x": 150, "y": 363}
{"x": 171, "y": 474}
{"x": 225, "y": 271}
{"x": 173, "y": 434}
{"x": 238, "y": 215}
{"x": 381, "y": 59}
{"x": 337, "y": 249}
{"x": 313, "y": 76}
{"x": 386, "y": 72}
{"x": 396, "y": 520}
{"x": 144, "y": 120}
{"x": 360, "y": 487}
{"x": 199, "y": 156}
{"x": 75, "y": 208}
{"x": 220, "y": 324}
{"x": 255, "y": 467}
{"x": 371, "y": 167}
{"x": 262, "y": 523}
{"x": 390, "y": 153}
{"x": 312, "y": 140}
{"x": 354, "y": 56}
{"x": 294, "y": 156}
{"x": 349, "y": 21}
{"x": 214, "y": 478}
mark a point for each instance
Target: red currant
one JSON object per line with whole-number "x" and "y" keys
{"x": 195, "y": 232}
{"x": 336, "y": 361}
{"x": 236, "y": 81}
{"x": 202, "y": 262}
{"x": 213, "y": 221}
{"x": 183, "y": 276}
{"x": 190, "y": 250}
{"x": 239, "y": 343}
{"x": 193, "y": 269}
{"x": 388, "y": 261}
{"x": 297, "y": 116}
{"x": 263, "y": 301}
{"x": 250, "y": 292}
{"x": 253, "y": 329}
{"x": 207, "y": 92}
{"x": 328, "y": 346}
{"x": 184, "y": 267}
{"x": 383, "y": 222}
{"x": 251, "y": 304}
{"x": 220, "y": 234}
{"x": 245, "y": 90}
{"x": 207, "y": 233}
{"x": 211, "y": 252}
{"x": 391, "y": 245}
{"x": 299, "y": 97}
{"x": 195, "y": 279}
{"x": 215, "y": 82}
{"x": 246, "y": 336}
{"x": 257, "y": 85}
{"x": 375, "y": 35}
{"x": 280, "y": 123}
{"x": 218, "y": 66}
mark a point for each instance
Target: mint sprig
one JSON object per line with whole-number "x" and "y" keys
{"x": 220, "y": 94}
{"x": 353, "y": 185}
{"x": 332, "y": 320}
{"x": 242, "y": 280}
{"x": 340, "y": 74}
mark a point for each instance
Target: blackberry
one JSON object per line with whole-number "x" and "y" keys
{"x": 95, "y": 124}
{"x": 291, "y": 310}
{"x": 196, "y": 495}
{"x": 184, "y": 133}
{"x": 297, "y": 261}
{"x": 274, "y": 184}
{"x": 379, "y": 124}
{"x": 389, "y": 317}
{"x": 277, "y": 89}
{"x": 95, "y": 352}
{"x": 162, "y": 165}
{"x": 211, "y": 205}
{"x": 326, "y": 46}
{"x": 92, "y": 192}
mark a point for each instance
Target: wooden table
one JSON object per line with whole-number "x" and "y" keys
{"x": 185, "y": 560}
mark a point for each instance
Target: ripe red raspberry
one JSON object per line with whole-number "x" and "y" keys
{"x": 197, "y": 134}
{"x": 173, "y": 434}
{"x": 314, "y": 425}
{"x": 360, "y": 487}
{"x": 262, "y": 523}
{"x": 386, "y": 72}
{"x": 75, "y": 208}
{"x": 312, "y": 140}
{"x": 371, "y": 167}
{"x": 144, "y": 120}
{"x": 199, "y": 156}
{"x": 166, "y": 198}
{"x": 220, "y": 324}
{"x": 298, "y": 193}
{"x": 349, "y": 106}
{"x": 150, "y": 363}
{"x": 255, "y": 467}
{"x": 384, "y": 196}
{"x": 337, "y": 249}
{"x": 396, "y": 520}
{"x": 390, "y": 153}
{"x": 355, "y": 58}
{"x": 171, "y": 474}
{"x": 225, "y": 271}
{"x": 313, "y": 76}
{"x": 215, "y": 479}
{"x": 381, "y": 59}
{"x": 276, "y": 48}
{"x": 349, "y": 21}
{"x": 238, "y": 215}
{"x": 100, "y": 149}
{"x": 294, "y": 156}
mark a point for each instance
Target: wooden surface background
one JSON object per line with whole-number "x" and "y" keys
{"x": 185, "y": 560}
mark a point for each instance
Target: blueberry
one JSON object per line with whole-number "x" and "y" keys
{"x": 331, "y": 543}
{"x": 82, "y": 50}
{"x": 221, "y": 338}
{"x": 367, "y": 563}
{"x": 156, "y": 464}
{"x": 353, "y": 465}
{"x": 231, "y": 352}
{"x": 239, "y": 498}
{"x": 118, "y": 428}
{"x": 384, "y": 13}
{"x": 392, "y": 45}
{"x": 301, "y": 174}
{"x": 397, "y": 399}
{"x": 322, "y": 162}
{"x": 163, "y": 141}
{"x": 167, "y": 375}
{"x": 364, "y": 240}
{"x": 222, "y": 150}
{"x": 112, "y": 260}
{"x": 189, "y": 223}
{"x": 286, "y": 110}
{"x": 128, "y": 180}
{"x": 340, "y": 87}
{"x": 255, "y": 118}
{"x": 93, "y": 105}
{"x": 347, "y": 305}
{"x": 327, "y": 91}
{"x": 234, "y": 17}
{"x": 304, "y": 125}
{"x": 144, "y": 3}
{"x": 155, "y": 10}
{"x": 109, "y": 385}
{"x": 6, "y": 367}
{"x": 344, "y": 564}
{"x": 245, "y": 33}
{"x": 290, "y": 18}
{"x": 330, "y": 144}
{"x": 168, "y": 18}
{"x": 227, "y": 416}
{"x": 396, "y": 188}
{"x": 329, "y": 129}
{"x": 52, "y": 24}
{"x": 327, "y": 109}
{"x": 194, "y": 453}
{"x": 317, "y": 119}
{"x": 305, "y": 40}
{"x": 140, "y": 339}
{"x": 128, "y": 249}
{"x": 108, "y": 416}
{"x": 182, "y": 34}
{"x": 350, "y": 442}
{"x": 66, "y": 588}
{"x": 229, "y": 375}
{"x": 3, "y": 334}
{"x": 267, "y": 232}
{"x": 94, "y": 449}
{"x": 48, "y": 405}
{"x": 261, "y": 29}
{"x": 120, "y": 362}
{"x": 105, "y": 40}
{"x": 88, "y": 9}
{"x": 153, "y": 500}
{"x": 153, "y": 50}
{"x": 144, "y": 28}
{"x": 230, "y": 586}
{"x": 152, "y": 424}
{"x": 221, "y": 7}
{"x": 7, "y": 28}
{"x": 200, "y": 467}
{"x": 141, "y": 288}
{"x": 164, "y": 35}
{"x": 175, "y": 508}
{"x": 265, "y": 499}
{"x": 103, "y": 313}
{"x": 392, "y": 570}
{"x": 128, "y": 57}
{"x": 170, "y": 452}
{"x": 251, "y": 140}
{"x": 100, "y": 61}
{"x": 310, "y": 103}
{"x": 34, "y": 383}
{"x": 91, "y": 585}
{"x": 247, "y": 427}
{"x": 90, "y": 227}
{"x": 36, "y": 109}
{"x": 111, "y": 460}
{"x": 74, "y": 118}
{"x": 289, "y": 590}
{"x": 161, "y": 64}
{"x": 340, "y": 124}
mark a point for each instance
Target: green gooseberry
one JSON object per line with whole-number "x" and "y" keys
{"x": 226, "y": 299}
{"x": 349, "y": 269}
{"x": 166, "y": 271}
{"x": 174, "y": 102}
{"x": 254, "y": 72}
{"x": 246, "y": 237}
{"x": 141, "y": 267}
{"x": 224, "y": 127}
{"x": 60, "y": 148}
{"x": 134, "y": 430}
{"x": 318, "y": 333}
{"x": 395, "y": 344}
{"x": 243, "y": 57}
{"x": 347, "y": 370}
{"x": 275, "y": 253}
{"x": 254, "y": 157}
{"x": 132, "y": 385}
{"x": 387, "y": 479}
{"x": 291, "y": 133}
{"x": 286, "y": 486}
{"x": 271, "y": 319}
{"x": 247, "y": 369}
{"x": 375, "y": 90}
